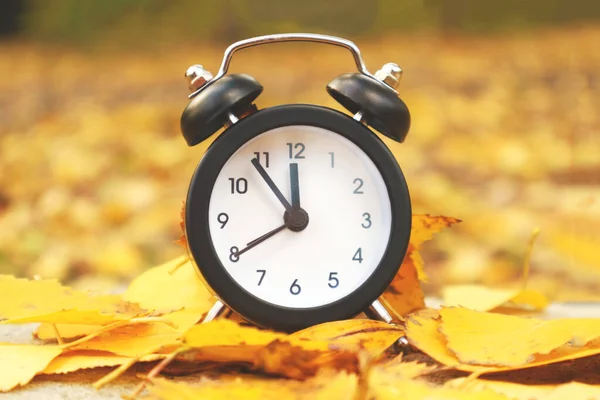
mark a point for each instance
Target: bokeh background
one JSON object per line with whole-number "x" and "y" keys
{"x": 505, "y": 99}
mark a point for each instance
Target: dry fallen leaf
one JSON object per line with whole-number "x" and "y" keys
{"x": 386, "y": 378}
{"x": 278, "y": 358}
{"x": 297, "y": 361}
{"x": 324, "y": 386}
{"x": 373, "y": 336}
{"x": 404, "y": 294}
{"x": 64, "y": 331}
{"x": 423, "y": 330}
{"x": 134, "y": 340}
{"x": 225, "y": 342}
{"x": 223, "y": 332}
{"x": 48, "y": 301}
{"x": 570, "y": 391}
{"x": 505, "y": 340}
{"x": 384, "y": 385}
{"x": 182, "y": 241}
{"x": 172, "y": 286}
{"x": 20, "y": 363}
{"x": 76, "y": 360}
{"x": 424, "y": 226}
{"x": 482, "y": 298}
{"x": 179, "y": 294}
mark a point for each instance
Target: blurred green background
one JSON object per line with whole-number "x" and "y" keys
{"x": 144, "y": 22}
{"x": 504, "y": 97}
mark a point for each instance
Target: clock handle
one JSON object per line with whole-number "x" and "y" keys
{"x": 287, "y": 37}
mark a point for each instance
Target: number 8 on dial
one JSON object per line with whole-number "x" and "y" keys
{"x": 297, "y": 214}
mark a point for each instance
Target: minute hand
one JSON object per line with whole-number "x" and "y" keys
{"x": 295, "y": 186}
{"x": 271, "y": 184}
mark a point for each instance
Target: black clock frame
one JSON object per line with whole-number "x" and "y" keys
{"x": 197, "y": 219}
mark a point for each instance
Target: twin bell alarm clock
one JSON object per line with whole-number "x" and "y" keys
{"x": 297, "y": 214}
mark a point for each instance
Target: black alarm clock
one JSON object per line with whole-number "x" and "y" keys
{"x": 297, "y": 214}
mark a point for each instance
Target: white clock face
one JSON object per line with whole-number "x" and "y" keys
{"x": 339, "y": 189}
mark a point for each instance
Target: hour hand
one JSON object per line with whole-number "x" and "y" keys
{"x": 271, "y": 184}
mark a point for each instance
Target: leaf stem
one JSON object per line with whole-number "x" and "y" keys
{"x": 527, "y": 260}
{"x": 180, "y": 263}
{"x": 155, "y": 371}
{"x": 115, "y": 325}
{"x": 59, "y": 338}
{"x": 115, "y": 373}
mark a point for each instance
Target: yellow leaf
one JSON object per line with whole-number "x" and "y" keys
{"x": 299, "y": 362}
{"x": 182, "y": 241}
{"x": 223, "y": 332}
{"x": 66, "y": 331}
{"x": 573, "y": 391}
{"x": 384, "y": 384}
{"x": 417, "y": 262}
{"x": 404, "y": 295}
{"x": 161, "y": 288}
{"x": 506, "y": 340}
{"x": 48, "y": 301}
{"x": 158, "y": 288}
{"x": 422, "y": 229}
{"x": 224, "y": 341}
{"x": 133, "y": 340}
{"x": 516, "y": 391}
{"x": 481, "y": 298}
{"x": 373, "y": 336}
{"x": 325, "y": 386}
{"x": 85, "y": 359}
{"x": 279, "y": 357}
{"x": 20, "y": 363}
{"x": 529, "y": 299}
{"x": 423, "y": 332}
{"x": 398, "y": 369}
{"x": 425, "y": 225}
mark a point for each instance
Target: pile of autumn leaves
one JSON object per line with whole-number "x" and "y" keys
{"x": 470, "y": 350}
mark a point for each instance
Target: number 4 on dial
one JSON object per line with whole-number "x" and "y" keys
{"x": 358, "y": 255}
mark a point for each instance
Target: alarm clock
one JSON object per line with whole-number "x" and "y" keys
{"x": 297, "y": 214}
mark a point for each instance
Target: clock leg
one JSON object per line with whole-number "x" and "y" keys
{"x": 218, "y": 309}
{"x": 378, "y": 312}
